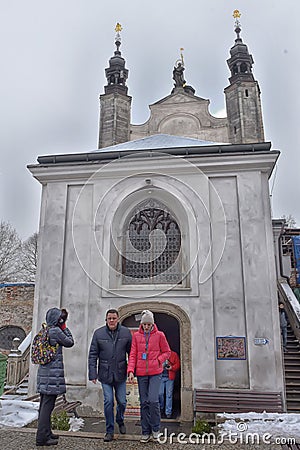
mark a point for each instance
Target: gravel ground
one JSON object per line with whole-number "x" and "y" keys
{"x": 24, "y": 439}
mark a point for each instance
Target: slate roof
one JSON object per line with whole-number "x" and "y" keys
{"x": 162, "y": 141}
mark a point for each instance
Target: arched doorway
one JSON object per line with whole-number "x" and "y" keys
{"x": 8, "y": 333}
{"x": 175, "y": 323}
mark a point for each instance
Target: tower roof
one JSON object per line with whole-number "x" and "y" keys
{"x": 240, "y": 62}
{"x": 116, "y": 73}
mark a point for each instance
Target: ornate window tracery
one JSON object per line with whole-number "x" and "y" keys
{"x": 152, "y": 246}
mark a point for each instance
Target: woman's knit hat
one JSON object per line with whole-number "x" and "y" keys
{"x": 147, "y": 317}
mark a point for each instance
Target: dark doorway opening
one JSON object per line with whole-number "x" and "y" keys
{"x": 7, "y": 335}
{"x": 170, "y": 326}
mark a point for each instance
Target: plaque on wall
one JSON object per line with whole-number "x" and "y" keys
{"x": 231, "y": 347}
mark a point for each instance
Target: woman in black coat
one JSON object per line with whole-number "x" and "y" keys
{"x": 50, "y": 377}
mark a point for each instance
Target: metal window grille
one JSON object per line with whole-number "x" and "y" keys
{"x": 152, "y": 246}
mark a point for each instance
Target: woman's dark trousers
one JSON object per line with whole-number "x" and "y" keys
{"x": 47, "y": 403}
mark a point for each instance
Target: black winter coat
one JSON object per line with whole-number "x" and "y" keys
{"x": 50, "y": 377}
{"x": 107, "y": 356}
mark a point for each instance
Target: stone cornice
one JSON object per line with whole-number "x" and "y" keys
{"x": 141, "y": 163}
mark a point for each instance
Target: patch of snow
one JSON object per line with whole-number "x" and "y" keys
{"x": 17, "y": 413}
{"x": 75, "y": 423}
{"x": 275, "y": 424}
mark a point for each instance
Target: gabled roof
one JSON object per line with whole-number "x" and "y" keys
{"x": 162, "y": 141}
{"x": 173, "y": 98}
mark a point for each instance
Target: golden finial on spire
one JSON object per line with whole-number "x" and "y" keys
{"x": 118, "y": 27}
{"x": 236, "y": 14}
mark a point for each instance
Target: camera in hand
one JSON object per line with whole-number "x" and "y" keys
{"x": 167, "y": 364}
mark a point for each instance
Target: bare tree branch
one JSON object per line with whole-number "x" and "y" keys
{"x": 29, "y": 257}
{"x": 10, "y": 252}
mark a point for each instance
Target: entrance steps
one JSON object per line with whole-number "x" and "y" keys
{"x": 292, "y": 372}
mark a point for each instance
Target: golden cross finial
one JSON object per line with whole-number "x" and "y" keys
{"x": 118, "y": 27}
{"x": 236, "y": 14}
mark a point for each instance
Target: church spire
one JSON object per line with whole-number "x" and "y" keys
{"x": 115, "y": 104}
{"x": 243, "y": 105}
{"x": 116, "y": 74}
{"x": 240, "y": 63}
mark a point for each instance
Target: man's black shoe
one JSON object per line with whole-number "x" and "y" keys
{"x": 54, "y": 436}
{"x": 122, "y": 428}
{"x": 108, "y": 437}
{"x": 47, "y": 443}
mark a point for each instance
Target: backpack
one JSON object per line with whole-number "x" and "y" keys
{"x": 41, "y": 350}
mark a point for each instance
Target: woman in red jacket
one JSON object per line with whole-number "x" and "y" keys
{"x": 149, "y": 350}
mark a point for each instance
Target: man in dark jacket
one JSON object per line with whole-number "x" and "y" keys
{"x": 50, "y": 377}
{"x": 108, "y": 364}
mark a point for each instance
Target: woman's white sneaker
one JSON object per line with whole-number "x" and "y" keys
{"x": 145, "y": 438}
{"x": 156, "y": 434}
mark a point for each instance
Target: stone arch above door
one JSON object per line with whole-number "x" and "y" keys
{"x": 185, "y": 346}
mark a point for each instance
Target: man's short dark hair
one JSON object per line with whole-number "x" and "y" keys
{"x": 112, "y": 311}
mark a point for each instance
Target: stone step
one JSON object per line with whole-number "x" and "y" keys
{"x": 291, "y": 364}
{"x": 293, "y": 386}
{"x": 22, "y": 391}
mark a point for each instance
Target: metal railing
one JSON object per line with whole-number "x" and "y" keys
{"x": 292, "y": 306}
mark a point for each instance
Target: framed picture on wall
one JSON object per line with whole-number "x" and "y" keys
{"x": 231, "y": 347}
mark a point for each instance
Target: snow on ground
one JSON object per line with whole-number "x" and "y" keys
{"x": 275, "y": 424}
{"x": 17, "y": 413}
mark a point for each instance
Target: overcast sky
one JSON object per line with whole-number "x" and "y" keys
{"x": 53, "y": 55}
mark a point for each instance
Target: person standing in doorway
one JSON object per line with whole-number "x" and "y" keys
{"x": 50, "y": 376}
{"x": 171, "y": 366}
{"x": 283, "y": 325}
{"x": 148, "y": 352}
{"x": 108, "y": 353}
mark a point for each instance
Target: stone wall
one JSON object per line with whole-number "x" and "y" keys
{"x": 16, "y": 305}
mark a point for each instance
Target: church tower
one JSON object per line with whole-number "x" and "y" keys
{"x": 244, "y": 112}
{"x": 115, "y": 104}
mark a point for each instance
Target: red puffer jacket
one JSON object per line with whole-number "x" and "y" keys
{"x": 158, "y": 351}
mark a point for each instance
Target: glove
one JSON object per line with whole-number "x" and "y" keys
{"x": 62, "y": 319}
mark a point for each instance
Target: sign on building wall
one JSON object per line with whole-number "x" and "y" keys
{"x": 231, "y": 347}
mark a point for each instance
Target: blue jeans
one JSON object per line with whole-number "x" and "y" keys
{"x": 149, "y": 398}
{"x": 108, "y": 394}
{"x": 166, "y": 385}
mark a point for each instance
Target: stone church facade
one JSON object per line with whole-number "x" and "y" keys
{"x": 165, "y": 217}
